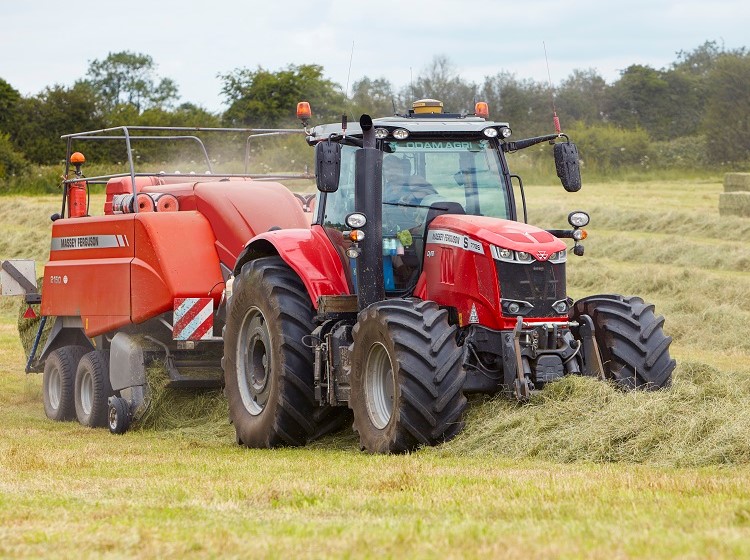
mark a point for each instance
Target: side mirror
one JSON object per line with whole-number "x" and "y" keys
{"x": 327, "y": 165}
{"x": 568, "y": 166}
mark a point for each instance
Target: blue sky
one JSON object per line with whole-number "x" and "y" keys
{"x": 51, "y": 41}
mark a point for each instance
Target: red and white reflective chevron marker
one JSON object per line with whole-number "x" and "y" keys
{"x": 193, "y": 318}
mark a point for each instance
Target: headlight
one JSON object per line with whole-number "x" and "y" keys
{"x": 490, "y": 132}
{"x": 560, "y": 256}
{"x": 381, "y": 133}
{"x": 400, "y": 134}
{"x": 356, "y": 220}
{"x": 578, "y": 219}
{"x": 560, "y": 307}
{"x": 523, "y": 257}
{"x": 505, "y": 253}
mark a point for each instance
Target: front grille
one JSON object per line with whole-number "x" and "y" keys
{"x": 539, "y": 283}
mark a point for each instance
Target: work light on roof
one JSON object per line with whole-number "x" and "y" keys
{"x": 505, "y": 132}
{"x": 490, "y": 132}
{"x": 400, "y": 134}
{"x": 381, "y": 133}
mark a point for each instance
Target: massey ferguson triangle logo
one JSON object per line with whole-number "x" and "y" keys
{"x": 542, "y": 255}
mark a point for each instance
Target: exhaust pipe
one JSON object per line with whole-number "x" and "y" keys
{"x": 368, "y": 199}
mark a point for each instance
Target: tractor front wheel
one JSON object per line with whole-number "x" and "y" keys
{"x": 632, "y": 344}
{"x": 268, "y": 371}
{"x": 407, "y": 377}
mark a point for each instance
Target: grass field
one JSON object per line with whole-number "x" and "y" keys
{"x": 582, "y": 471}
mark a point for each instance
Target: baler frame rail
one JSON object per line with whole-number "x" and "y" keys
{"x": 128, "y": 137}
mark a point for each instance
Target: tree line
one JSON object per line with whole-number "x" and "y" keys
{"x": 694, "y": 113}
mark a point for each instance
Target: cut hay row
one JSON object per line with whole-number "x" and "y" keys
{"x": 704, "y": 419}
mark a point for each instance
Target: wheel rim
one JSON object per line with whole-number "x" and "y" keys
{"x": 112, "y": 417}
{"x": 254, "y": 360}
{"x": 380, "y": 386}
{"x": 54, "y": 388}
{"x": 87, "y": 392}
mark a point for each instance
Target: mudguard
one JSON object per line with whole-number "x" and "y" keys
{"x": 308, "y": 252}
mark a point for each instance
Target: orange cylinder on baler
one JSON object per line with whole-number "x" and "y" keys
{"x": 77, "y": 191}
{"x": 77, "y": 199}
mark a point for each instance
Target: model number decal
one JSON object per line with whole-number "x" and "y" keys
{"x": 89, "y": 242}
{"x": 444, "y": 237}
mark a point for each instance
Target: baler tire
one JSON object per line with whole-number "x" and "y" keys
{"x": 269, "y": 375}
{"x": 631, "y": 340}
{"x": 93, "y": 389}
{"x": 118, "y": 416}
{"x": 407, "y": 377}
{"x": 58, "y": 382}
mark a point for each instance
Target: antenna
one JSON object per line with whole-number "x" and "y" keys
{"x": 351, "y": 57}
{"x": 346, "y": 92}
{"x": 555, "y": 119}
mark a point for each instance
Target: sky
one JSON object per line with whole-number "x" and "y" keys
{"x": 46, "y": 42}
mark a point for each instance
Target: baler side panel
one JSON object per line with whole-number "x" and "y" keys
{"x": 239, "y": 210}
{"x": 88, "y": 274}
{"x": 175, "y": 257}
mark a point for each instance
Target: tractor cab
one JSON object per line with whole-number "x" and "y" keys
{"x": 421, "y": 178}
{"x": 431, "y": 163}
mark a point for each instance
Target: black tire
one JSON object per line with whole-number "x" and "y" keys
{"x": 118, "y": 416}
{"x": 631, "y": 340}
{"x": 59, "y": 378}
{"x": 268, "y": 371}
{"x": 93, "y": 389}
{"x": 407, "y": 377}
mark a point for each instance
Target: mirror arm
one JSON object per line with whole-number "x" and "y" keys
{"x": 528, "y": 142}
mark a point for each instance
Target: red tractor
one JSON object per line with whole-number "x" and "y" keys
{"x": 415, "y": 285}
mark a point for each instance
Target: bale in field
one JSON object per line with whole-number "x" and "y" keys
{"x": 734, "y": 204}
{"x": 736, "y": 182}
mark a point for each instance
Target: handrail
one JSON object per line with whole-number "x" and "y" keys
{"x": 133, "y": 133}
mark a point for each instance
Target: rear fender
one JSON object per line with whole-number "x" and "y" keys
{"x": 308, "y": 252}
{"x": 67, "y": 331}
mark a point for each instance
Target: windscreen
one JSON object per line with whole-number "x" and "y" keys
{"x": 451, "y": 176}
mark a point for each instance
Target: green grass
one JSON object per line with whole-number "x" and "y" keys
{"x": 582, "y": 471}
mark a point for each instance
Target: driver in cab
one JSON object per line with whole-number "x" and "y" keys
{"x": 399, "y": 185}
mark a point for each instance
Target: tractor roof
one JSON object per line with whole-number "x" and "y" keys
{"x": 424, "y": 125}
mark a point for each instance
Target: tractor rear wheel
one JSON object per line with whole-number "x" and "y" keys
{"x": 631, "y": 340}
{"x": 59, "y": 378}
{"x": 407, "y": 377}
{"x": 268, "y": 371}
{"x": 93, "y": 389}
